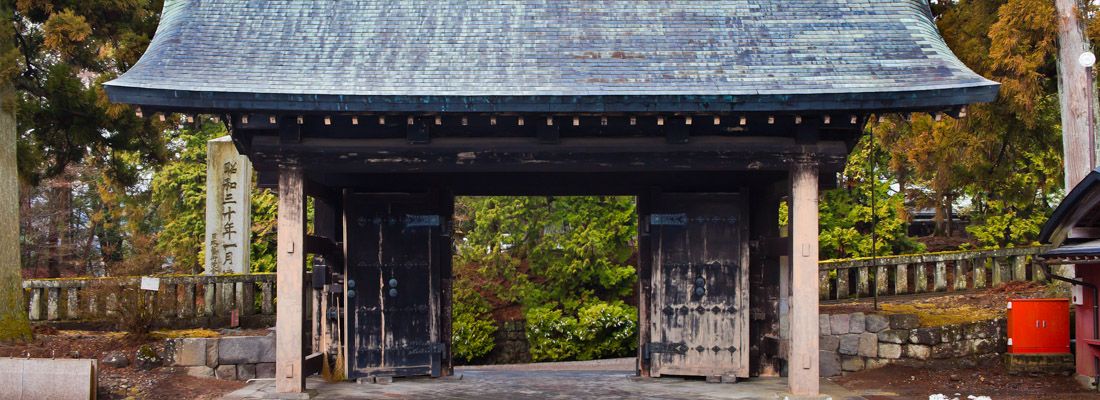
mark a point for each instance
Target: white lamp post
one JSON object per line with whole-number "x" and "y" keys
{"x": 1087, "y": 60}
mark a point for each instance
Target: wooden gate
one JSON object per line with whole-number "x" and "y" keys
{"x": 698, "y": 312}
{"x": 395, "y": 253}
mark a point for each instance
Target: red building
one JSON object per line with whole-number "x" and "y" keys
{"x": 1074, "y": 230}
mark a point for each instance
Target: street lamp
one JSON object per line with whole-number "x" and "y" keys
{"x": 1087, "y": 60}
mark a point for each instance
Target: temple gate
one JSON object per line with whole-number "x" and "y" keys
{"x": 710, "y": 113}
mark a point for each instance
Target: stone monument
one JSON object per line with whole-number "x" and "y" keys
{"x": 228, "y": 208}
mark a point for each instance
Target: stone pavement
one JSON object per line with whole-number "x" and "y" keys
{"x": 543, "y": 381}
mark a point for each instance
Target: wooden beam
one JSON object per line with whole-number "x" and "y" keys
{"x": 290, "y": 283}
{"x": 512, "y": 154}
{"x": 803, "y": 370}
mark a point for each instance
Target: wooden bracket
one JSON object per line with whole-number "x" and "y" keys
{"x": 549, "y": 134}
{"x": 290, "y": 131}
{"x": 419, "y": 132}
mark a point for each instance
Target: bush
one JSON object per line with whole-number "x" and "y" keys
{"x": 472, "y": 326}
{"x": 599, "y": 330}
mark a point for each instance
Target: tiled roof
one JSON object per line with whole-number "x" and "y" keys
{"x": 630, "y": 55}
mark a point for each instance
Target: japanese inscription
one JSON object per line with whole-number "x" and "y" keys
{"x": 228, "y": 206}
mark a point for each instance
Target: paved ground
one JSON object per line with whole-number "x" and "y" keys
{"x": 605, "y": 379}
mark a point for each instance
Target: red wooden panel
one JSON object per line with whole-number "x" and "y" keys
{"x": 1038, "y": 326}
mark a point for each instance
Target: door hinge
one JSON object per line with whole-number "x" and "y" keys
{"x": 673, "y": 348}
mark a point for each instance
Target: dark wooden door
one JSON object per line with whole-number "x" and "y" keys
{"x": 394, "y": 249}
{"x": 699, "y": 286}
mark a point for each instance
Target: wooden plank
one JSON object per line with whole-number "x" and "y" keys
{"x": 803, "y": 376}
{"x": 645, "y": 265}
{"x": 583, "y": 155}
{"x": 290, "y": 283}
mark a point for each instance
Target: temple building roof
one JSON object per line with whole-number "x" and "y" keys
{"x": 1075, "y": 225}
{"x": 549, "y": 56}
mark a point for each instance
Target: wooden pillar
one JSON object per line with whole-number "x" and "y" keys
{"x": 804, "y": 376}
{"x": 290, "y": 283}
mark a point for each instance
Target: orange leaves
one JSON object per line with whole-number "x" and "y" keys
{"x": 64, "y": 31}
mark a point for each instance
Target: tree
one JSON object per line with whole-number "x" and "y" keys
{"x": 566, "y": 262}
{"x": 64, "y": 51}
{"x": 14, "y": 325}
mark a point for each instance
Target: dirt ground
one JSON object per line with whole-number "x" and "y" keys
{"x": 960, "y": 378}
{"x": 128, "y": 382}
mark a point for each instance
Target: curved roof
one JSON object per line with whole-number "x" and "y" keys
{"x": 1080, "y": 211}
{"x": 549, "y": 55}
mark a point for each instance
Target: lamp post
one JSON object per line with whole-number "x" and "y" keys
{"x": 1088, "y": 60}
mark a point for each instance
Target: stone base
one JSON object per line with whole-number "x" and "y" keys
{"x": 1039, "y": 363}
{"x": 1086, "y": 382}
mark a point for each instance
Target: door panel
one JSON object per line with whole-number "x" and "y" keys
{"x": 698, "y": 318}
{"x": 393, "y": 243}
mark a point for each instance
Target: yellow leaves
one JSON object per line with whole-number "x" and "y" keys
{"x": 63, "y": 31}
{"x": 1023, "y": 43}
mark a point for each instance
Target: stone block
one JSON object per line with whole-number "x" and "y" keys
{"x": 246, "y": 350}
{"x": 829, "y": 363}
{"x": 856, "y": 323}
{"x": 40, "y": 378}
{"x": 918, "y": 351}
{"x": 925, "y": 336}
{"x": 1039, "y": 363}
{"x": 949, "y": 350}
{"x": 226, "y": 372}
{"x": 904, "y": 321}
{"x": 839, "y": 324}
{"x": 980, "y": 346}
{"x": 265, "y": 370}
{"x": 829, "y": 343}
{"x": 980, "y": 330}
{"x": 868, "y": 344}
{"x": 190, "y": 352}
{"x": 889, "y": 350}
{"x": 896, "y": 336}
{"x": 951, "y": 333}
{"x": 873, "y": 363}
{"x": 201, "y": 371}
{"x": 877, "y": 323}
{"x": 849, "y": 344}
{"x": 212, "y": 353}
{"x": 246, "y": 372}
{"x": 824, "y": 324}
{"x": 852, "y": 363}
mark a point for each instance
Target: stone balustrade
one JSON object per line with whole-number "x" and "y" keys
{"x": 929, "y": 272}
{"x": 181, "y": 300}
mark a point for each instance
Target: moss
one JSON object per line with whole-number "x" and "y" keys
{"x": 185, "y": 333}
{"x": 933, "y": 315}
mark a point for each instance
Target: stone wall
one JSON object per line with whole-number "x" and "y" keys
{"x": 510, "y": 344}
{"x": 858, "y": 341}
{"x": 232, "y": 357}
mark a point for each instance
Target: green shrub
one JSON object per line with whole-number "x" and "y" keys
{"x": 472, "y": 326}
{"x": 599, "y": 330}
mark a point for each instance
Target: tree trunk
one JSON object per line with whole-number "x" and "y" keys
{"x": 1075, "y": 93}
{"x": 14, "y": 325}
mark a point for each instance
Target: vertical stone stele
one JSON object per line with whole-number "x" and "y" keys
{"x": 228, "y": 208}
